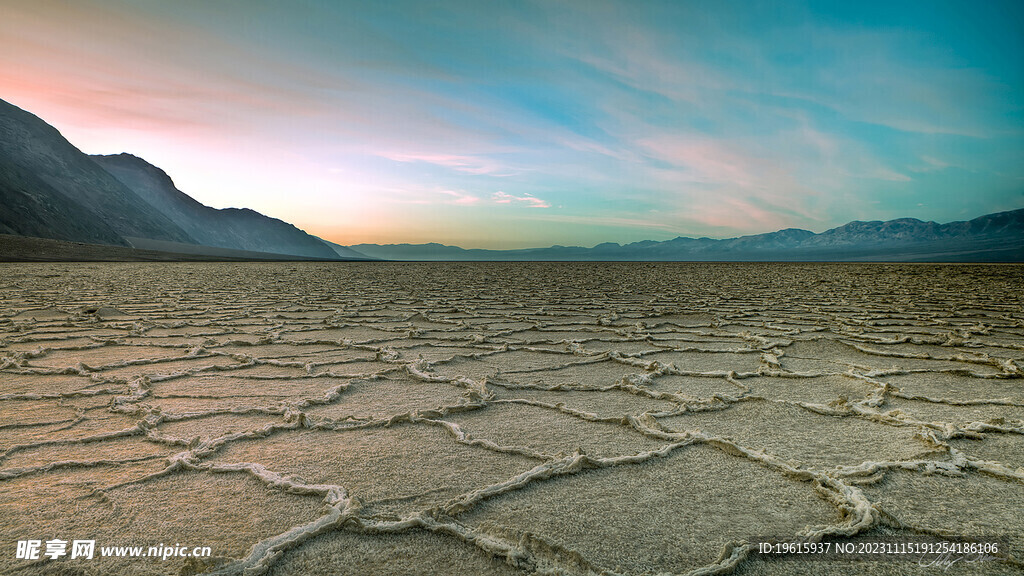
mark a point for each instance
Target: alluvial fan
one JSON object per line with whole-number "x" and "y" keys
{"x": 500, "y": 418}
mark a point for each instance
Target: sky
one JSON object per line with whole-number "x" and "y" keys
{"x": 513, "y": 124}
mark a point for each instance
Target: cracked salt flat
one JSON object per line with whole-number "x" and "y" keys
{"x": 507, "y": 418}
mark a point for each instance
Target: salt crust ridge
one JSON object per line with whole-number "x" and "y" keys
{"x": 383, "y": 322}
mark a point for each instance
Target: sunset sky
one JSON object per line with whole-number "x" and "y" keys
{"x": 518, "y": 124}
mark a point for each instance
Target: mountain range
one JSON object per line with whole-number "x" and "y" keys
{"x": 50, "y": 189}
{"x": 995, "y": 237}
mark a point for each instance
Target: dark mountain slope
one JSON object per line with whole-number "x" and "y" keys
{"x": 49, "y": 187}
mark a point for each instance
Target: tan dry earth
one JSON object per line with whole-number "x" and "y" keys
{"x": 526, "y": 418}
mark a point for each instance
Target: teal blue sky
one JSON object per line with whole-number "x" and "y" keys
{"x": 516, "y": 124}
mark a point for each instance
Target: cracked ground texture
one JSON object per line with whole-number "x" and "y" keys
{"x": 496, "y": 418}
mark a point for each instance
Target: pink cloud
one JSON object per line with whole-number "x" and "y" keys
{"x": 705, "y": 160}
{"x": 461, "y": 198}
{"x": 738, "y": 214}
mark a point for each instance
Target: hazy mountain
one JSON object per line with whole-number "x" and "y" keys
{"x": 49, "y": 188}
{"x": 995, "y": 237}
{"x": 345, "y": 251}
{"x": 432, "y": 251}
{"x": 237, "y": 228}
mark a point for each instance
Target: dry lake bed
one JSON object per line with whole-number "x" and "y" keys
{"x": 511, "y": 418}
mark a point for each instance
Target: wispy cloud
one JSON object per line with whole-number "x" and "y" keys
{"x": 705, "y": 160}
{"x": 477, "y": 165}
{"x": 500, "y": 197}
{"x": 461, "y": 198}
{"x": 929, "y": 164}
{"x": 434, "y": 196}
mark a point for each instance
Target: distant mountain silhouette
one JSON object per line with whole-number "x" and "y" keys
{"x": 995, "y": 237}
{"x": 50, "y": 189}
{"x": 237, "y": 228}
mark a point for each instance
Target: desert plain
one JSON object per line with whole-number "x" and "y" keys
{"x": 500, "y": 418}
